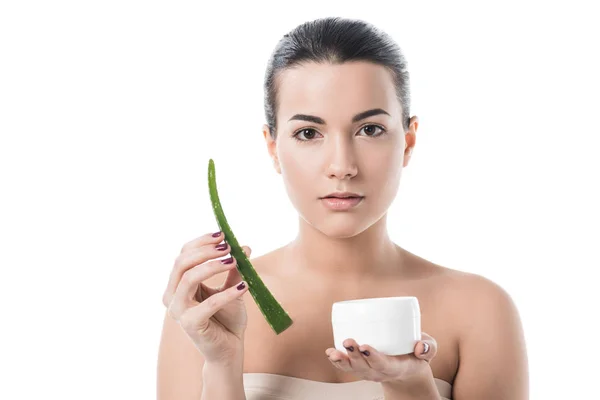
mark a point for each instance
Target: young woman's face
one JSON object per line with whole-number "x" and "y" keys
{"x": 365, "y": 156}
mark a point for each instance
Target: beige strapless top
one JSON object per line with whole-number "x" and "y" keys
{"x": 264, "y": 386}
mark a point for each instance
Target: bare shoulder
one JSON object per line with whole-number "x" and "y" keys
{"x": 487, "y": 306}
{"x": 474, "y": 293}
{"x": 477, "y": 290}
{"x": 466, "y": 297}
{"x": 491, "y": 341}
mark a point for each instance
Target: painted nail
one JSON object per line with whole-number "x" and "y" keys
{"x": 351, "y": 348}
{"x": 216, "y": 234}
{"x": 241, "y": 286}
{"x": 426, "y": 347}
{"x": 221, "y": 246}
{"x": 366, "y": 353}
{"x": 227, "y": 260}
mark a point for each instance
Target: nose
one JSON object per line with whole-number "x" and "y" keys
{"x": 342, "y": 160}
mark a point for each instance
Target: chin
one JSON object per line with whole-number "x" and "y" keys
{"x": 341, "y": 226}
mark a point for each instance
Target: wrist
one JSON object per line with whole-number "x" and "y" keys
{"x": 222, "y": 369}
{"x": 223, "y": 380}
{"x": 421, "y": 386}
{"x": 233, "y": 358}
{"x": 234, "y": 364}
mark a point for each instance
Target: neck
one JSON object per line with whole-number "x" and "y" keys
{"x": 368, "y": 255}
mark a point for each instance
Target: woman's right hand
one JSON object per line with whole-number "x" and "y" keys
{"x": 215, "y": 319}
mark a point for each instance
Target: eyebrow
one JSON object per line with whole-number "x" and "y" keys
{"x": 356, "y": 118}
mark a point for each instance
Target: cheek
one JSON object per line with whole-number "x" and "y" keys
{"x": 383, "y": 166}
{"x": 383, "y": 176}
{"x": 299, "y": 176}
{"x": 298, "y": 162}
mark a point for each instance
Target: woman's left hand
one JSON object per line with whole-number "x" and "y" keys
{"x": 367, "y": 363}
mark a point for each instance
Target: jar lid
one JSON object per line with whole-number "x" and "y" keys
{"x": 378, "y": 308}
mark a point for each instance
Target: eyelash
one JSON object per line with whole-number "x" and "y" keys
{"x": 295, "y": 135}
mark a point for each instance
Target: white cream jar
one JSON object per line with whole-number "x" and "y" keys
{"x": 391, "y": 325}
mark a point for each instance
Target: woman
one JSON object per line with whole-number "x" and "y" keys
{"x": 337, "y": 108}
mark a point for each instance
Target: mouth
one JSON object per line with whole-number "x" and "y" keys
{"x": 341, "y": 203}
{"x": 348, "y": 197}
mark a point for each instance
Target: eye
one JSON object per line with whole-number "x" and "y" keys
{"x": 374, "y": 126}
{"x": 313, "y": 131}
{"x": 304, "y": 130}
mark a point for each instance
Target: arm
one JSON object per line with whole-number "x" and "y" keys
{"x": 423, "y": 388}
{"x": 180, "y": 364}
{"x": 183, "y": 374}
{"x": 223, "y": 382}
{"x": 492, "y": 353}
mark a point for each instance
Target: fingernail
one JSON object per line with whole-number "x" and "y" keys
{"x": 426, "y": 348}
{"x": 351, "y": 348}
{"x": 227, "y": 260}
{"x": 221, "y": 246}
{"x": 366, "y": 353}
{"x": 241, "y": 286}
{"x": 216, "y": 234}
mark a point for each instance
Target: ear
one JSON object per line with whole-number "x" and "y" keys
{"x": 410, "y": 138}
{"x": 271, "y": 147}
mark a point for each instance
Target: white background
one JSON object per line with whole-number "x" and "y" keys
{"x": 110, "y": 111}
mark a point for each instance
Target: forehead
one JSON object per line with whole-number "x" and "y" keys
{"x": 336, "y": 91}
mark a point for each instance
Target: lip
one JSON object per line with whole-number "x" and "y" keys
{"x": 342, "y": 195}
{"x": 340, "y": 204}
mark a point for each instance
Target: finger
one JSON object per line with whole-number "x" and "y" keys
{"x": 339, "y": 360}
{"x": 203, "y": 240}
{"x": 357, "y": 361}
{"x": 196, "y": 318}
{"x": 234, "y": 276}
{"x": 190, "y": 259}
{"x": 338, "y": 364}
{"x": 426, "y": 348}
{"x": 185, "y": 294}
{"x": 376, "y": 360}
{"x": 204, "y": 292}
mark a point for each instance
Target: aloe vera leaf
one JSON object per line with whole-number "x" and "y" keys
{"x": 273, "y": 312}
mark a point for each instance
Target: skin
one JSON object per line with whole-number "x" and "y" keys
{"x": 475, "y": 334}
{"x": 341, "y": 156}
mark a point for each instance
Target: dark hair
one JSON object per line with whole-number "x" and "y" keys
{"x": 335, "y": 40}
